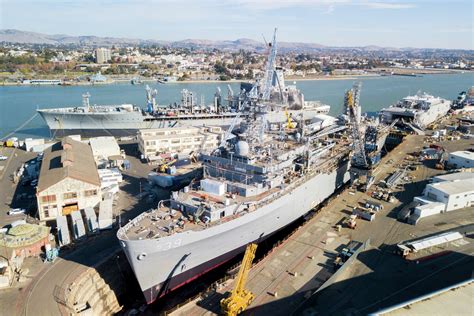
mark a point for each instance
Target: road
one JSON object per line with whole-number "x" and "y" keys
{"x": 16, "y": 158}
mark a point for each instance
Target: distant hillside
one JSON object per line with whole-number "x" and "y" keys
{"x": 23, "y": 37}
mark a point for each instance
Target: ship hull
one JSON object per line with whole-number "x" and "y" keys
{"x": 121, "y": 124}
{"x": 420, "y": 118}
{"x": 163, "y": 264}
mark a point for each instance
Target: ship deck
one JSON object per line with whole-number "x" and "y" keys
{"x": 165, "y": 221}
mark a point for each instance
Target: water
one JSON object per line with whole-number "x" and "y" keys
{"x": 19, "y": 103}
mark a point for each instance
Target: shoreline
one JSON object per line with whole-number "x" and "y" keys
{"x": 288, "y": 79}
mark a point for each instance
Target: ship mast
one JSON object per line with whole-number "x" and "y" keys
{"x": 270, "y": 69}
{"x": 85, "y": 101}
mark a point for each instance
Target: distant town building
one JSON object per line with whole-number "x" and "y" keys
{"x": 102, "y": 55}
{"x": 183, "y": 140}
{"x": 68, "y": 180}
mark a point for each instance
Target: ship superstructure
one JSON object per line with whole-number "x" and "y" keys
{"x": 418, "y": 111}
{"x": 253, "y": 185}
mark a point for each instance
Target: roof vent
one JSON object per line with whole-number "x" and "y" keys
{"x": 66, "y": 143}
{"x": 67, "y": 158}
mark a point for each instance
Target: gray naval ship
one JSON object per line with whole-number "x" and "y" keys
{"x": 253, "y": 185}
{"x": 417, "y": 111}
{"x": 127, "y": 119}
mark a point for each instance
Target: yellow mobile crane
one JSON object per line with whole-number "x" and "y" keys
{"x": 165, "y": 166}
{"x": 289, "y": 124}
{"x": 240, "y": 298}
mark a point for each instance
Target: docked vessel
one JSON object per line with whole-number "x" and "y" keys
{"x": 127, "y": 119}
{"x": 418, "y": 111}
{"x": 249, "y": 191}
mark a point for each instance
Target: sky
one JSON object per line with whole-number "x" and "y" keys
{"x": 389, "y": 23}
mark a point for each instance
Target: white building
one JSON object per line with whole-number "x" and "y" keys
{"x": 447, "y": 193}
{"x": 461, "y": 159}
{"x": 109, "y": 177}
{"x": 105, "y": 149}
{"x": 102, "y": 55}
{"x": 181, "y": 140}
{"x": 68, "y": 180}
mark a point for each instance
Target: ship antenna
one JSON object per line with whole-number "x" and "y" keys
{"x": 85, "y": 100}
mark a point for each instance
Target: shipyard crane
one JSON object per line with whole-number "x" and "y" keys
{"x": 240, "y": 298}
{"x": 352, "y": 103}
{"x": 269, "y": 69}
{"x": 360, "y": 167}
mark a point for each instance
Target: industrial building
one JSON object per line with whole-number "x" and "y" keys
{"x": 446, "y": 193}
{"x": 106, "y": 151}
{"x": 153, "y": 143}
{"x": 68, "y": 180}
{"x": 461, "y": 159}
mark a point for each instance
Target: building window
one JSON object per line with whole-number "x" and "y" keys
{"x": 48, "y": 198}
{"x": 70, "y": 195}
{"x": 175, "y": 141}
{"x": 90, "y": 192}
{"x": 46, "y": 212}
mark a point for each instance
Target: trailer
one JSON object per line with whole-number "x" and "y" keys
{"x": 91, "y": 219}
{"x": 363, "y": 213}
{"x": 63, "y": 230}
{"x": 78, "y": 228}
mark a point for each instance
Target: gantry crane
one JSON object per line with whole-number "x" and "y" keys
{"x": 360, "y": 167}
{"x": 352, "y": 103}
{"x": 240, "y": 298}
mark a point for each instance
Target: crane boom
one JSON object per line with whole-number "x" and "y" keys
{"x": 270, "y": 69}
{"x": 240, "y": 298}
{"x": 352, "y": 103}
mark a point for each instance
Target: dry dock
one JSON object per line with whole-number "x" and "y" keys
{"x": 285, "y": 280}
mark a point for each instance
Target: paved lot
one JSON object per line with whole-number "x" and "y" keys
{"x": 9, "y": 191}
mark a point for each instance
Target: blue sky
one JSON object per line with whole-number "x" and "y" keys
{"x": 395, "y": 23}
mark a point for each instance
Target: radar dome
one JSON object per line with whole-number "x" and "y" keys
{"x": 242, "y": 148}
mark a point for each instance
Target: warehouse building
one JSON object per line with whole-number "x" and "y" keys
{"x": 461, "y": 159}
{"x": 446, "y": 193}
{"x": 154, "y": 143}
{"x": 68, "y": 180}
{"x": 106, "y": 151}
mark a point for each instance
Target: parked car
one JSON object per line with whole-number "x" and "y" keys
{"x": 16, "y": 211}
{"x": 3, "y": 158}
{"x": 34, "y": 183}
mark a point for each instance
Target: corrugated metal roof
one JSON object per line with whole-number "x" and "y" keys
{"x": 435, "y": 240}
{"x": 80, "y": 164}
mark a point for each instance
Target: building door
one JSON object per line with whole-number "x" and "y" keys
{"x": 69, "y": 208}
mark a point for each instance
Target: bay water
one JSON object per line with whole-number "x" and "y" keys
{"x": 19, "y": 103}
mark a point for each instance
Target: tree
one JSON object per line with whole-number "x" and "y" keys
{"x": 224, "y": 78}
